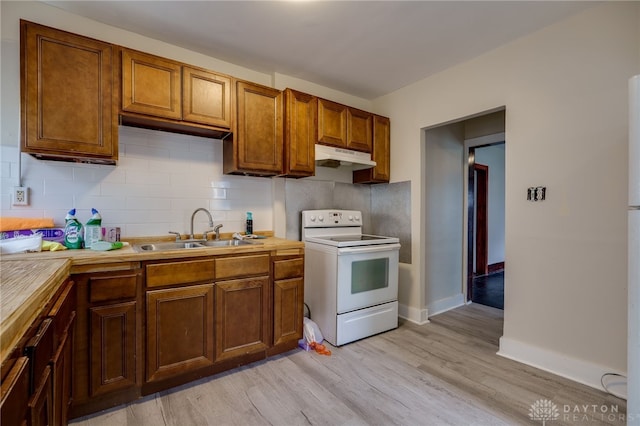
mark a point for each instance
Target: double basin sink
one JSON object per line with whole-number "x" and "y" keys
{"x": 180, "y": 245}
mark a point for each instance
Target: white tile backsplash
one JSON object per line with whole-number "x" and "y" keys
{"x": 160, "y": 179}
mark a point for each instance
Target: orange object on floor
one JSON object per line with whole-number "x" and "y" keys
{"x": 320, "y": 348}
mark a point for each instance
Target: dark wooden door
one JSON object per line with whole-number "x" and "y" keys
{"x": 481, "y": 229}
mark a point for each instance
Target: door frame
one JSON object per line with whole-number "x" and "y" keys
{"x": 469, "y": 211}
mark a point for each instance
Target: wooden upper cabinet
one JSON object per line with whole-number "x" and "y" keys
{"x": 359, "y": 130}
{"x": 332, "y": 123}
{"x": 255, "y": 147}
{"x": 381, "y": 173}
{"x": 69, "y": 101}
{"x": 206, "y": 97}
{"x": 159, "y": 93}
{"x": 151, "y": 85}
{"x": 300, "y": 131}
{"x": 343, "y": 126}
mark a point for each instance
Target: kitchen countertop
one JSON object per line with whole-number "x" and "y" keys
{"x": 25, "y": 288}
{"x": 28, "y": 280}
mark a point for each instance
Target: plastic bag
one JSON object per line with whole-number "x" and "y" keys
{"x": 311, "y": 331}
{"x": 312, "y": 338}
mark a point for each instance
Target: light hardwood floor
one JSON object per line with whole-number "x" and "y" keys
{"x": 442, "y": 373}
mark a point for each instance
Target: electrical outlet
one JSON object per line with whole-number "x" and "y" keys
{"x": 20, "y": 196}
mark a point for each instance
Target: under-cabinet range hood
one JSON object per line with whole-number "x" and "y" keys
{"x": 329, "y": 156}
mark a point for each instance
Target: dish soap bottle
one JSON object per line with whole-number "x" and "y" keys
{"x": 249, "y": 223}
{"x": 92, "y": 230}
{"x": 72, "y": 231}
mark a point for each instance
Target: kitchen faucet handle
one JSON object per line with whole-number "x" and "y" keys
{"x": 217, "y": 231}
{"x": 204, "y": 234}
{"x": 177, "y": 234}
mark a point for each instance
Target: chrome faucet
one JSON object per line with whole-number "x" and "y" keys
{"x": 193, "y": 215}
{"x": 217, "y": 231}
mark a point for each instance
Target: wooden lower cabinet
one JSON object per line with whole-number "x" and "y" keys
{"x": 36, "y": 388}
{"x": 179, "y": 331}
{"x": 150, "y": 326}
{"x": 113, "y": 347}
{"x": 41, "y": 403}
{"x": 242, "y": 317}
{"x": 288, "y": 299}
{"x": 14, "y": 393}
{"x": 288, "y": 304}
{"x": 107, "y": 348}
{"x": 62, "y": 368}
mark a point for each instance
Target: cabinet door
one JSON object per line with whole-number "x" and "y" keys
{"x": 288, "y": 309}
{"x": 256, "y": 145}
{"x": 242, "y": 317}
{"x": 301, "y": 123}
{"x": 179, "y": 331}
{"x": 381, "y": 154}
{"x": 15, "y": 394}
{"x": 151, "y": 85}
{"x": 68, "y": 95}
{"x": 41, "y": 403}
{"x": 332, "y": 123}
{"x": 206, "y": 97}
{"x": 113, "y": 347}
{"x": 359, "y": 128}
{"x": 62, "y": 367}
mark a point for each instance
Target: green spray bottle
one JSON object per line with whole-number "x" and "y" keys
{"x": 72, "y": 231}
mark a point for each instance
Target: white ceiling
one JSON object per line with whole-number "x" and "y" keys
{"x": 364, "y": 48}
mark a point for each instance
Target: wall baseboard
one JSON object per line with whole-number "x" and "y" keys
{"x": 495, "y": 267}
{"x": 415, "y": 315}
{"x": 562, "y": 365}
{"x": 443, "y": 305}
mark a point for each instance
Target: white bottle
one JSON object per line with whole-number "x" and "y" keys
{"x": 93, "y": 229}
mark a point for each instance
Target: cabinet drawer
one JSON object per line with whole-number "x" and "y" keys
{"x": 113, "y": 287}
{"x": 288, "y": 268}
{"x": 182, "y": 272}
{"x": 62, "y": 312}
{"x": 242, "y": 266}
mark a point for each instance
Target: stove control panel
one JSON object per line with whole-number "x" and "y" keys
{"x": 331, "y": 218}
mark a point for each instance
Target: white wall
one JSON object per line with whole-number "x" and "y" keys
{"x": 443, "y": 217}
{"x": 564, "y": 89}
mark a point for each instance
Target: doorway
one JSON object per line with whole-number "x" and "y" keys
{"x": 485, "y": 204}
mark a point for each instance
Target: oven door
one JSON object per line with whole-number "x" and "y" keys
{"x": 367, "y": 276}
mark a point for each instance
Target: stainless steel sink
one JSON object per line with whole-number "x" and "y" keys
{"x": 228, "y": 243}
{"x": 180, "y": 245}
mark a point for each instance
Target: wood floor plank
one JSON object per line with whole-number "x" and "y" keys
{"x": 445, "y": 372}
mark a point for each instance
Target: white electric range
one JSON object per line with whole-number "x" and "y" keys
{"x": 351, "y": 278}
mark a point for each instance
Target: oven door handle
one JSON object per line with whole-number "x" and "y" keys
{"x": 368, "y": 249}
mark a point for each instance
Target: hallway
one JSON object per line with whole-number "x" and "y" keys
{"x": 489, "y": 290}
